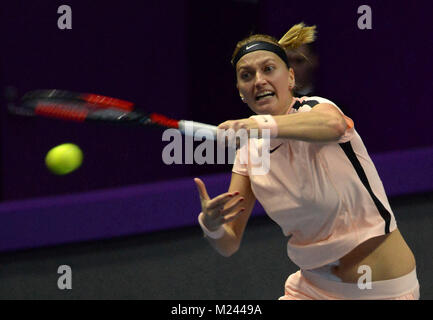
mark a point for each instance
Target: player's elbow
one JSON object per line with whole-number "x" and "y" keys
{"x": 232, "y": 252}
{"x": 228, "y": 252}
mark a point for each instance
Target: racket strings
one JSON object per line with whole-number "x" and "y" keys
{"x": 96, "y": 99}
{"x": 104, "y": 101}
{"x": 61, "y": 112}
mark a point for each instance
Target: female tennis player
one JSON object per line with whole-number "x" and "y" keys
{"x": 322, "y": 188}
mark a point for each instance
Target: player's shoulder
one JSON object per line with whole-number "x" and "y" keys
{"x": 314, "y": 100}
{"x": 306, "y": 103}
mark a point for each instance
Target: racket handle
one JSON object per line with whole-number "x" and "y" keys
{"x": 190, "y": 128}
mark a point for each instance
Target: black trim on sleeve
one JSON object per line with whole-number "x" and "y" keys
{"x": 311, "y": 103}
{"x": 350, "y": 153}
{"x": 296, "y": 105}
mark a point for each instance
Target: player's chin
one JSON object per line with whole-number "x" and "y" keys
{"x": 266, "y": 108}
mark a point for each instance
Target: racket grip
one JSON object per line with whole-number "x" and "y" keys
{"x": 191, "y": 128}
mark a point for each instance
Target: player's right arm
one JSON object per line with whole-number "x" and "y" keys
{"x": 231, "y": 210}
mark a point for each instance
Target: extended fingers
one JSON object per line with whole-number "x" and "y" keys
{"x": 229, "y": 209}
{"x": 201, "y": 189}
{"x": 233, "y": 216}
{"x": 221, "y": 200}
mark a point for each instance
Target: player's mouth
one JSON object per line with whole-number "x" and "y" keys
{"x": 264, "y": 94}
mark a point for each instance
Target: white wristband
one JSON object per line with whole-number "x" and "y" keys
{"x": 266, "y": 121}
{"x": 211, "y": 234}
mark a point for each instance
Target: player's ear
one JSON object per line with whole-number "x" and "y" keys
{"x": 240, "y": 94}
{"x": 291, "y": 79}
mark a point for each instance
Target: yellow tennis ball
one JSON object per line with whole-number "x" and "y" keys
{"x": 64, "y": 158}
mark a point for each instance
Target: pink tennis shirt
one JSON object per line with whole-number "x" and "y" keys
{"x": 327, "y": 197}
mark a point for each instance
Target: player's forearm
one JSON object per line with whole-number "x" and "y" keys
{"x": 226, "y": 245}
{"x": 310, "y": 126}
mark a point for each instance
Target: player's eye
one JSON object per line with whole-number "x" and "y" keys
{"x": 245, "y": 75}
{"x": 269, "y": 68}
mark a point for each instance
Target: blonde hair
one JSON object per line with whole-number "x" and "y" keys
{"x": 298, "y": 35}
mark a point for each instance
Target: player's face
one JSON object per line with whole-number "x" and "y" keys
{"x": 264, "y": 81}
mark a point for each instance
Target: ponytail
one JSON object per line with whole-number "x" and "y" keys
{"x": 298, "y": 35}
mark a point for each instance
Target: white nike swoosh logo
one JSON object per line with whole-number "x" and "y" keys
{"x": 249, "y": 47}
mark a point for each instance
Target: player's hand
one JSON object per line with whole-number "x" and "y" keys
{"x": 234, "y": 124}
{"x": 219, "y": 210}
{"x": 239, "y": 124}
{"x": 238, "y": 131}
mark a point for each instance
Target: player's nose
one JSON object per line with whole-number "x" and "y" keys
{"x": 260, "y": 79}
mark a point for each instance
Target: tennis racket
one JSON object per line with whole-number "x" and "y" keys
{"x": 86, "y": 107}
